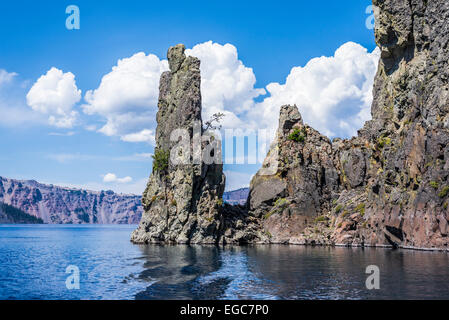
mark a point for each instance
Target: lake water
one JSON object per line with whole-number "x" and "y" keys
{"x": 34, "y": 258}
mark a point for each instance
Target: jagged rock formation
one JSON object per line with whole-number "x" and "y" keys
{"x": 300, "y": 189}
{"x": 389, "y": 185}
{"x": 65, "y": 205}
{"x": 181, "y": 201}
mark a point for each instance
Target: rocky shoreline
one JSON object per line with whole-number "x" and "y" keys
{"x": 376, "y": 246}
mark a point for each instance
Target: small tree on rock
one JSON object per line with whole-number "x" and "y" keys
{"x": 216, "y": 117}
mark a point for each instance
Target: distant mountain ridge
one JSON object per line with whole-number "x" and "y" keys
{"x": 235, "y": 197}
{"x": 60, "y": 205}
{"x": 63, "y": 205}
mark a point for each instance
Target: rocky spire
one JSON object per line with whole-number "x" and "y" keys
{"x": 299, "y": 189}
{"x": 288, "y": 117}
{"x": 182, "y": 200}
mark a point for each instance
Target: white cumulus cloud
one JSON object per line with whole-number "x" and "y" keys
{"x": 111, "y": 177}
{"x": 227, "y": 85}
{"x": 55, "y": 94}
{"x": 142, "y": 136}
{"x": 127, "y": 98}
{"x": 334, "y": 94}
{"x": 13, "y": 107}
{"x": 6, "y": 77}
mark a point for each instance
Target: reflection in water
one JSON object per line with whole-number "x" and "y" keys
{"x": 33, "y": 260}
{"x": 200, "y": 272}
{"x": 174, "y": 270}
{"x": 242, "y": 283}
{"x": 291, "y": 272}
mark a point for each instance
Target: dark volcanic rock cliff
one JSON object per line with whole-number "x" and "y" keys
{"x": 389, "y": 185}
{"x": 64, "y": 205}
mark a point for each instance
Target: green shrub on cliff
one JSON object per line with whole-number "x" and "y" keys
{"x": 321, "y": 219}
{"x": 269, "y": 214}
{"x": 338, "y": 208}
{"x": 383, "y": 141}
{"x": 361, "y": 209}
{"x": 444, "y": 192}
{"x": 281, "y": 202}
{"x": 279, "y": 205}
{"x": 297, "y": 135}
{"x": 434, "y": 184}
{"x": 160, "y": 160}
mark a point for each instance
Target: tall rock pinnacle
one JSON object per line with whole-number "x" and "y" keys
{"x": 182, "y": 200}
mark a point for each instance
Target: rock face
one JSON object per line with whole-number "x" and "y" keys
{"x": 291, "y": 197}
{"x": 181, "y": 201}
{"x": 389, "y": 185}
{"x": 64, "y": 205}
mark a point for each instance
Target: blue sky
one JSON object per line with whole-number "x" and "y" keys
{"x": 270, "y": 37}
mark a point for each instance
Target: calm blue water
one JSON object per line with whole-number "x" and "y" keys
{"x": 33, "y": 261}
